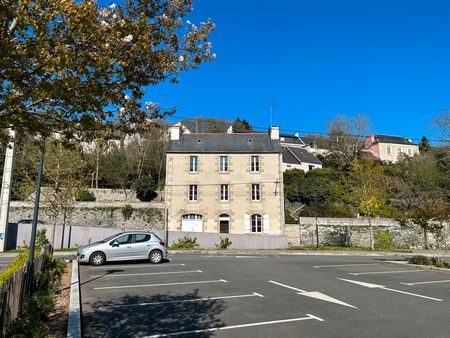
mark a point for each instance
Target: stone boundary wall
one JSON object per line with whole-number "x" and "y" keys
{"x": 353, "y": 231}
{"x": 144, "y": 216}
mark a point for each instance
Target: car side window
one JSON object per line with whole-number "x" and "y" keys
{"x": 125, "y": 239}
{"x": 140, "y": 238}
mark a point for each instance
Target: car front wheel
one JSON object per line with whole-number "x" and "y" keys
{"x": 156, "y": 257}
{"x": 97, "y": 258}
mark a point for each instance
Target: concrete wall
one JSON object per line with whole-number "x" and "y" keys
{"x": 84, "y": 235}
{"x": 353, "y": 231}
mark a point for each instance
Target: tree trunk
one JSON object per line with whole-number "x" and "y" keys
{"x": 425, "y": 237}
{"x": 371, "y": 234}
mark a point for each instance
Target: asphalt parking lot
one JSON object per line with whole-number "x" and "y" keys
{"x": 265, "y": 296}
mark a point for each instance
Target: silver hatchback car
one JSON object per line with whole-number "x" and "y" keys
{"x": 131, "y": 245}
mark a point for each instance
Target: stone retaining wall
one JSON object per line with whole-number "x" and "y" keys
{"x": 352, "y": 231}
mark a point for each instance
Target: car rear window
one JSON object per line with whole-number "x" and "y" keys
{"x": 142, "y": 238}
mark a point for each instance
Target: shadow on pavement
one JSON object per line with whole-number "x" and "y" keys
{"x": 127, "y": 317}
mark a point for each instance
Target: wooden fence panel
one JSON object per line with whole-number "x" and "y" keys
{"x": 15, "y": 290}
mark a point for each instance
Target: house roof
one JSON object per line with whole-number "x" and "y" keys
{"x": 392, "y": 139}
{"x": 291, "y": 138}
{"x": 225, "y": 143}
{"x": 298, "y": 155}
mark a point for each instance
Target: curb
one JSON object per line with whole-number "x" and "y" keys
{"x": 284, "y": 253}
{"x": 74, "y": 324}
{"x": 421, "y": 267}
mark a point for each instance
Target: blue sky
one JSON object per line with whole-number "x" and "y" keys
{"x": 388, "y": 59}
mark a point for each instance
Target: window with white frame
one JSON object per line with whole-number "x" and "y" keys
{"x": 223, "y": 164}
{"x": 410, "y": 152}
{"x": 399, "y": 150}
{"x": 389, "y": 150}
{"x": 254, "y": 166}
{"x": 193, "y": 164}
{"x": 224, "y": 192}
{"x": 193, "y": 192}
{"x": 256, "y": 193}
{"x": 256, "y": 223}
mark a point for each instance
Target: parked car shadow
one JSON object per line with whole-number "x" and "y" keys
{"x": 133, "y": 316}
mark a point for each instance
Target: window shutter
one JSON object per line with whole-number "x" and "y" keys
{"x": 266, "y": 223}
{"x": 247, "y": 223}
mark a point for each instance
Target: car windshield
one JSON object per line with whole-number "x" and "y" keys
{"x": 110, "y": 238}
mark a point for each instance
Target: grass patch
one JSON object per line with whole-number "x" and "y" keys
{"x": 342, "y": 248}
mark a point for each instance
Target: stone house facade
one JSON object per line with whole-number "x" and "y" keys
{"x": 225, "y": 183}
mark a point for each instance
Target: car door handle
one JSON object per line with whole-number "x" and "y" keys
{"x": 129, "y": 247}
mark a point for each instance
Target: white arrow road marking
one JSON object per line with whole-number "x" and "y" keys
{"x": 321, "y": 296}
{"x": 253, "y": 294}
{"x": 369, "y": 285}
{"x": 165, "y": 284}
{"x": 308, "y": 317}
{"x": 112, "y": 267}
{"x": 314, "y": 294}
{"x": 383, "y": 272}
{"x": 145, "y": 273}
{"x": 430, "y": 282}
{"x": 339, "y": 265}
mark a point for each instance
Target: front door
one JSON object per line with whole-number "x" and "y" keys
{"x": 224, "y": 224}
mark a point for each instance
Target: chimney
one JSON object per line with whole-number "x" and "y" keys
{"x": 274, "y": 133}
{"x": 175, "y": 132}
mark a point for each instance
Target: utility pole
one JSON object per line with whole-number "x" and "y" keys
{"x": 6, "y": 187}
{"x": 36, "y": 208}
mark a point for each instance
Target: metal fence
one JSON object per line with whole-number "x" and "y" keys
{"x": 17, "y": 288}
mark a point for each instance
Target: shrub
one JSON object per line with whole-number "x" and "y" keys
{"x": 15, "y": 265}
{"x": 145, "y": 189}
{"x": 384, "y": 240}
{"x": 83, "y": 195}
{"x": 439, "y": 263}
{"x": 127, "y": 211}
{"x": 185, "y": 242}
{"x": 224, "y": 243}
{"x": 420, "y": 260}
{"x": 41, "y": 238}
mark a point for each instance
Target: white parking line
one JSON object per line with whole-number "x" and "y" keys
{"x": 430, "y": 282}
{"x": 383, "y": 272}
{"x": 145, "y": 273}
{"x": 165, "y": 284}
{"x": 253, "y": 294}
{"x": 111, "y": 267}
{"x": 382, "y": 287}
{"x": 287, "y": 286}
{"x": 339, "y": 265}
{"x": 250, "y": 256}
{"x": 308, "y": 316}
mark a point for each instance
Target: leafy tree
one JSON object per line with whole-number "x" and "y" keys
{"x": 424, "y": 145}
{"x": 419, "y": 194}
{"x": 241, "y": 125}
{"x": 145, "y": 189}
{"x": 63, "y": 175}
{"x": 368, "y": 189}
{"x": 74, "y": 66}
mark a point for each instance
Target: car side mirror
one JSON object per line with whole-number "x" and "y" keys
{"x": 115, "y": 243}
